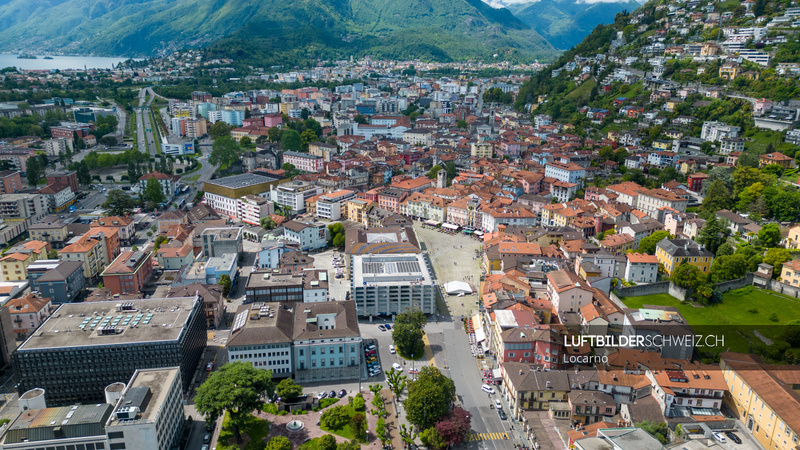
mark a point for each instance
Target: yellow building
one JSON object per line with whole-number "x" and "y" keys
{"x": 562, "y": 217}
{"x": 481, "y": 150}
{"x": 662, "y": 145}
{"x": 15, "y": 263}
{"x": 357, "y": 209}
{"x": 764, "y": 397}
{"x": 793, "y": 240}
{"x": 790, "y": 274}
{"x": 729, "y": 70}
{"x": 671, "y": 253}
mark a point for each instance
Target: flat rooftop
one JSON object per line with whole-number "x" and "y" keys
{"x": 134, "y": 322}
{"x": 243, "y": 180}
{"x": 76, "y": 421}
{"x": 387, "y": 270}
{"x": 266, "y": 278}
{"x": 158, "y": 381}
{"x": 227, "y": 233}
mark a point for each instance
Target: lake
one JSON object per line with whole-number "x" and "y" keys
{"x": 59, "y": 62}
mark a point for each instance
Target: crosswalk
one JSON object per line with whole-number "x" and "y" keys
{"x": 487, "y": 437}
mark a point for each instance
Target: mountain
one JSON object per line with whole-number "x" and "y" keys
{"x": 564, "y": 23}
{"x": 271, "y": 29}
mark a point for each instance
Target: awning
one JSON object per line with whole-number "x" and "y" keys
{"x": 479, "y": 233}
{"x": 432, "y": 223}
{"x": 480, "y": 335}
{"x": 497, "y": 374}
{"x": 449, "y": 226}
{"x": 468, "y": 231}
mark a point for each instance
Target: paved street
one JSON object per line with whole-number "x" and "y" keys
{"x": 144, "y": 127}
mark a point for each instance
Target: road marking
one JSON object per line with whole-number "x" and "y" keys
{"x": 428, "y": 351}
{"x": 487, "y": 437}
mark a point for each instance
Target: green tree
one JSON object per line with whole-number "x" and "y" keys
{"x": 119, "y": 203}
{"x": 462, "y": 125}
{"x": 348, "y": 446}
{"x": 326, "y": 442}
{"x": 380, "y": 431}
{"x": 52, "y": 254}
{"x": 335, "y": 418}
{"x": 718, "y": 197}
{"x": 658, "y": 430}
{"x": 288, "y": 390}
{"x": 159, "y": 240}
{"x": 279, "y": 443}
{"x": 413, "y": 317}
{"x": 274, "y": 134}
{"x": 238, "y": 388}
{"x": 361, "y": 119}
{"x": 224, "y": 151}
{"x": 396, "y": 381}
{"x": 245, "y": 142}
{"x": 688, "y": 276}
{"x": 770, "y": 234}
{"x": 358, "y": 402}
{"x": 226, "y": 283}
{"x": 648, "y": 244}
{"x": 82, "y": 172}
{"x": 267, "y": 223}
{"x": 712, "y": 234}
{"x": 406, "y": 434}
{"x": 408, "y": 340}
{"x": 432, "y": 439}
{"x": 307, "y": 137}
{"x": 728, "y": 268}
{"x": 219, "y": 129}
{"x": 153, "y": 191}
{"x": 430, "y": 397}
{"x": 291, "y": 140}
{"x": 33, "y": 171}
{"x": 725, "y": 249}
{"x": 358, "y": 423}
{"x": 776, "y": 257}
{"x": 434, "y": 172}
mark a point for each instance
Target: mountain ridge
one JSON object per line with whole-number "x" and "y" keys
{"x": 441, "y": 29}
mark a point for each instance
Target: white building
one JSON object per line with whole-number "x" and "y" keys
{"x": 305, "y": 162}
{"x": 421, "y": 137}
{"x": 310, "y": 236}
{"x": 641, "y": 268}
{"x": 392, "y": 284}
{"x": 55, "y": 146}
{"x": 568, "y": 173}
{"x": 149, "y": 413}
{"x": 731, "y": 144}
{"x": 294, "y": 194}
{"x": 262, "y": 335}
{"x": 252, "y": 208}
{"x": 334, "y": 205}
{"x": 716, "y": 131}
{"x": 315, "y": 286}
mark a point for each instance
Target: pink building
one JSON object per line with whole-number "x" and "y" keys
{"x": 273, "y": 120}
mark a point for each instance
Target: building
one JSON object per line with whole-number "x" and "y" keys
{"x": 334, "y": 205}
{"x": 731, "y": 144}
{"x": 50, "y": 229}
{"x": 293, "y": 195}
{"x": 18, "y": 158}
{"x": 149, "y": 413}
{"x": 617, "y": 244}
{"x": 652, "y": 200}
{"x": 167, "y": 182}
{"x": 565, "y": 172}
{"x": 308, "y": 235}
{"x": 23, "y": 206}
{"x": 68, "y": 177}
{"x": 59, "y": 197}
{"x": 28, "y": 312}
{"x": 653, "y": 323}
{"x": 262, "y": 335}
{"x": 481, "y": 150}
{"x": 641, "y": 268}
{"x": 169, "y": 219}
{"x": 77, "y": 426}
{"x": 10, "y": 182}
{"x": 63, "y": 281}
{"x": 673, "y": 252}
{"x": 268, "y": 286}
{"x": 125, "y": 226}
{"x": 385, "y": 284}
{"x": 223, "y": 194}
{"x": 567, "y": 291}
{"x": 717, "y": 131}
{"x": 54, "y": 147}
{"x": 326, "y": 342}
{"x": 129, "y": 272}
{"x": 84, "y": 347}
{"x": 70, "y": 130}
{"x": 526, "y": 389}
{"x": 173, "y": 257}
{"x": 304, "y": 162}
{"x": 16, "y": 260}
{"x": 219, "y": 241}
{"x": 775, "y": 158}
{"x": 764, "y": 398}
{"x": 315, "y": 285}
{"x": 252, "y": 208}
{"x": 210, "y": 295}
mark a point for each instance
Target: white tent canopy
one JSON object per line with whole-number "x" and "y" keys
{"x": 450, "y": 226}
{"x": 432, "y": 223}
{"x": 457, "y": 287}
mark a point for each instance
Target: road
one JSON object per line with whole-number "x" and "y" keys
{"x": 144, "y": 126}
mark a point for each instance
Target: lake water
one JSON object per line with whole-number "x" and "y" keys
{"x": 59, "y": 62}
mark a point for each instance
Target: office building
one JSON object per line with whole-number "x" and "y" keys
{"x": 84, "y": 347}
{"x": 334, "y": 205}
{"x": 262, "y": 335}
{"x": 219, "y": 241}
{"x": 10, "y": 181}
{"x": 252, "y": 208}
{"x": 293, "y": 195}
{"x": 326, "y": 341}
{"x": 74, "y": 427}
{"x": 309, "y": 235}
{"x": 223, "y": 194}
{"x": 391, "y": 284}
{"x": 63, "y": 281}
{"x": 268, "y": 286}
{"x": 149, "y": 414}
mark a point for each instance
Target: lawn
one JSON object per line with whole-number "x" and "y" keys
{"x": 253, "y": 432}
{"x": 345, "y": 431}
{"x": 741, "y": 313}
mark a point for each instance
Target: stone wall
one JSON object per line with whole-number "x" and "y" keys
{"x": 643, "y": 289}
{"x": 777, "y": 286}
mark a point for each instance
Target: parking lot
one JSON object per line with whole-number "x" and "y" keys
{"x": 454, "y": 258}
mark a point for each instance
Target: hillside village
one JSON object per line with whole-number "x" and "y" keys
{"x": 645, "y": 184}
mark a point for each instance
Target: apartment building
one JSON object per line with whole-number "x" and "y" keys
{"x": 333, "y": 206}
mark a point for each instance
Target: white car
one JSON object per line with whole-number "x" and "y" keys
{"x": 719, "y": 437}
{"x": 498, "y": 404}
{"x": 322, "y": 395}
{"x": 488, "y": 389}
{"x": 392, "y": 349}
{"x": 397, "y": 367}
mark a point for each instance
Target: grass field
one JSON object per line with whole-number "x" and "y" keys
{"x": 254, "y": 429}
{"x": 747, "y": 311}
{"x": 345, "y": 431}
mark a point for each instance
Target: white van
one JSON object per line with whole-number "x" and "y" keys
{"x": 488, "y": 389}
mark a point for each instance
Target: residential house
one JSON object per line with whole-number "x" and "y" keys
{"x": 641, "y": 268}
{"x": 567, "y": 291}
{"x": 673, "y": 252}
{"x": 64, "y": 283}
{"x": 27, "y": 313}
{"x": 129, "y": 272}
{"x": 16, "y": 260}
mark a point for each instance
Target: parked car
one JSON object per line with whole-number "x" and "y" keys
{"x": 204, "y": 447}
{"x": 502, "y": 414}
{"x": 342, "y": 393}
{"x": 733, "y": 437}
{"x": 718, "y": 436}
{"x": 413, "y": 371}
{"x": 381, "y": 327}
{"x": 332, "y": 394}
{"x": 322, "y": 395}
{"x": 209, "y": 367}
{"x": 210, "y": 426}
{"x": 488, "y": 389}
{"x": 206, "y": 438}
{"x": 397, "y": 367}
{"x": 392, "y": 349}
{"x": 388, "y": 326}
{"x": 498, "y": 404}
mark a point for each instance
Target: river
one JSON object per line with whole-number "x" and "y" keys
{"x": 59, "y": 62}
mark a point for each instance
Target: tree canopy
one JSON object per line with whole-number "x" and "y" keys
{"x": 224, "y": 151}
{"x": 430, "y": 397}
{"x": 119, "y": 203}
{"x": 153, "y": 191}
{"x": 648, "y": 244}
{"x": 238, "y": 388}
